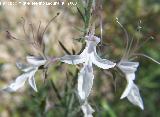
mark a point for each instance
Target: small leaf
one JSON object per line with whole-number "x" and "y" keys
{"x": 64, "y": 48}
{"x": 81, "y": 5}
{"x": 73, "y": 51}
{"x": 43, "y": 105}
{"x": 56, "y": 90}
{"x": 81, "y": 14}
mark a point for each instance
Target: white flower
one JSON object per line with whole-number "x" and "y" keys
{"x": 88, "y": 57}
{"x": 131, "y": 91}
{"x": 129, "y": 68}
{"x": 29, "y": 72}
{"x": 87, "y": 109}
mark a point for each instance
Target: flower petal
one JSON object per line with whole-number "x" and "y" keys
{"x": 128, "y": 63}
{"x": 85, "y": 81}
{"x": 19, "y": 82}
{"x": 37, "y": 61}
{"x": 92, "y": 38}
{"x": 134, "y": 97}
{"x": 31, "y": 80}
{"x": 127, "y": 90}
{"x": 73, "y": 59}
{"x": 102, "y": 63}
{"x": 128, "y": 67}
{"x": 87, "y": 109}
{"x": 24, "y": 67}
{"x": 90, "y": 46}
{"x": 129, "y": 77}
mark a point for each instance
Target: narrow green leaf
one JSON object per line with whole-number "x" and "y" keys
{"x": 56, "y": 90}
{"x": 42, "y": 105}
{"x": 81, "y": 14}
{"x": 80, "y": 5}
{"x": 73, "y": 51}
{"x": 64, "y": 48}
{"x": 107, "y": 108}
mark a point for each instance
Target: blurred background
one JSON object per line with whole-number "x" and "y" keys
{"x": 56, "y": 96}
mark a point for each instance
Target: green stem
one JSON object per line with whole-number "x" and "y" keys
{"x": 88, "y": 15}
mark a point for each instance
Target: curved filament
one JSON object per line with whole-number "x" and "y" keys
{"x": 101, "y": 28}
{"x": 129, "y": 51}
{"x": 49, "y": 23}
{"x": 139, "y": 30}
{"x": 143, "y": 43}
{"x": 150, "y": 58}
{"x": 127, "y": 39}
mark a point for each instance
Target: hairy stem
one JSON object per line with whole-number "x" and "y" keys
{"x": 88, "y": 15}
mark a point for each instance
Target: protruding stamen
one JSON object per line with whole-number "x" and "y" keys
{"x": 139, "y": 30}
{"x": 127, "y": 38}
{"x": 49, "y": 23}
{"x": 150, "y": 58}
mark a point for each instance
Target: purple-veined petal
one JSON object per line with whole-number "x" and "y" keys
{"x": 37, "y": 61}
{"x": 31, "y": 80}
{"x": 93, "y": 38}
{"x": 73, "y": 59}
{"x": 18, "y": 83}
{"x": 87, "y": 109}
{"x": 85, "y": 81}
{"x": 102, "y": 63}
{"x": 134, "y": 97}
{"x": 90, "y": 46}
{"x": 128, "y": 67}
{"x": 128, "y": 63}
{"x": 24, "y": 67}
{"x": 91, "y": 43}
